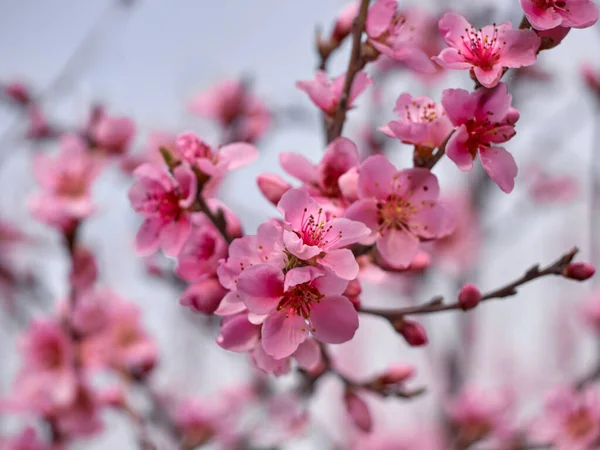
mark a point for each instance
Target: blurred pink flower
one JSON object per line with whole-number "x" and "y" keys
{"x": 358, "y": 411}
{"x": 230, "y": 103}
{"x": 547, "y": 14}
{"x": 400, "y": 208}
{"x": 163, "y": 201}
{"x": 203, "y": 296}
{"x": 422, "y": 122}
{"x": 111, "y": 135}
{"x": 486, "y": 51}
{"x": 571, "y": 419}
{"x": 272, "y": 186}
{"x": 326, "y": 94}
{"x": 66, "y": 182}
{"x": 26, "y": 440}
{"x": 483, "y": 118}
{"x": 545, "y": 188}
{"x": 84, "y": 272}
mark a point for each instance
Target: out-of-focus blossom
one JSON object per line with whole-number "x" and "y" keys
{"x": 591, "y": 311}
{"x": 66, "y": 182}
{"x": 285, "y": 418}
{"x": 231, "y": 105}
{"x": 26, "y": 440}
{"x": 164, "y": 202}
{"x": 591, "y": 77}
{"x": 486, "y": 51}
{"x": 272, "y": 186}
{"x": 214, "y": 162}
{"x": 343, "y": 22}
{"x": 484, "y": 118}
{"x": 326, "y": 94}
{"x": 480, "y": 413}
{"x": 111, "y": 135}
{"x": 358, "y": 411}
{"x": 547, "y": 14}
{"x": 17, "y": 92}
{"x": 571, "y": 419}
{"x": 38, "y": 126}
{"x": 420, "y": 437}
{"x": 308, "y": 357}
{"x": 422, "y": 122}
{"x": 551, "y": 38}
{"x": 84, "y": 272}
{"x": 400, "y": 208}
{"x": 545, "y": 188}
{"x": 391, "y": 34}
{"x": 203, "y": 296}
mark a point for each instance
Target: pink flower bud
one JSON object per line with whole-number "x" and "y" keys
{"x": 343, "y": 24}
{"x": 469, "y": 296}
{"x": 85, "y": 270}
{"x": 203, "y": 296}
{"x": 412, "y": 331}
{"x": 579, "y": 271}
{"x": 358, "y": 411}
{"x": 112, "y": 396}
{"x": 397, "y": 373}
{"x": 18, "y": 92}
{"x": 421, "y": 261}
{"x": 551, "y": 38}
{"x": 272, "y": 186}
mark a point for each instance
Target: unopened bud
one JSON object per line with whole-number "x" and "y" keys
{"x": 413, "y": 332}
{"x": 397, "y": 373}
{"x": 272, "y": 186}
{"x": 579, "y": 271}
{"x": 203, "y": 296}
{"x": 343, "y": 23}
{"x": 358, "y": 411}
{"x": 469, "y": 296}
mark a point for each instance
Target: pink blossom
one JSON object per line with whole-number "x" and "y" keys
{"x": 400, "y": 208}
{"x": 272, "y": 186}
{"x": 303, "y": 300}
{"x": 590, "y": 311}
{"x": 481, "y": 413}
{"x": 486, "y": 51}
{"x": 66, "y": 182}
{"x": 237, "y": 333}
{"x": 547, "y": 14}
{"x": 18, "y": 92}
{"x": 214, "y": 163}
{"x": 38, "y": 127}
{"x": 229, "y": 102}
{"x": 26, "y": 440}
{"x": 122, "y": 343}
{"x": 326, "y": 94}
{"x": 46, "y": 379}
{"x": 483, "y": 118}
{"x": 164, "y": 201}
{"x": 545, "y": 188}
{"x": 343, "y": 22}
{"x": 571, "y": 419}
{"x": 422, "y": 122}
{"x": 390, "y": 34}
{"x": 80, "y": 418}
{"x": 551, "y": 38}
{"x": 310, "y": 235}
{"x": 202, "y": 251}
{"x": 111, "y": 135}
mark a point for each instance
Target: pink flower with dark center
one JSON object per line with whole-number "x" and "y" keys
{"x": 322, "y": 180}
{"x": 326, "y": 94}
{"x": 229, "y": 102}
{"x": 547, "y": 14}
{"x": 483, "y": 118}
{"x": 164, "y": 201}
{"x": 66, "y": 182}
{"x": 111, "y": 135}
{"x": 400, "y": 208}
{"x": 486, "y": 51}
{"x": 201, "y": 253}
{"x": 422, "y": 122}
{"x": 304, "y": 300}
{"x": 310, "y": 236}
{"x": 214, "y": 162}
{"x": 571, "y": 419}
{"x": 391, "y": 34}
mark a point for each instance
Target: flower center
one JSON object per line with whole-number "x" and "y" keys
{"x": 551, "y": 4}
{"x": 72, "y": 184}
{"x": 298, "y": 300}
{"x": 314, "y": 229}
{"x": 480, "y": 48}
{"x": 580, "y": 423}
{"x": 394, "y": 213}
{"x": 425, "y": 113}
{"x": 163, "y": 204}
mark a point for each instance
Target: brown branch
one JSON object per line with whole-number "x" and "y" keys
{"x": 355, "y": 64}
{"x": 555, "y": 268}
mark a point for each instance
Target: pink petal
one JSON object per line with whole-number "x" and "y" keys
{"x": 268, "y": 364}
{"x": 380, "y": 17}
{"x": 348, "y": 184}
{"x": 155, "y": 173}
{"x": 341, "y": 262}
{"x": 231, "y": 304}
{"x": 449, "y": 58}
{"x": 452, "y": 28}
{"x": 147, "y": 239}
{"x": 319, "y": 91}
{"x": 460, "y": 105}
{"x": 188, "y": 182}
{"x": 343, "y": 232}
{"x": 364, "y": 211}
{"x": 330, "y": 284}
{"x": 261, "y": 288}
{"x": 376, "y": 175}
{"x": 418, "y": 185}
{"x": 415, "y": 58}
{"x": 458, "y": 151}
{"x": 580, "y": 14}
{"x": 489, "y": 78}
{"x": 272, "y": 186}
{"x": 398, "y": 247}
{"x": 520, "y": 48}
{"x": 361, "y": 82}
{"x": 282, "y": 333}
{"x": 308, "y": 354}
{"x": 301, "y": 275}
{"x": 431, "y": 221}
{"x": 174, "y": 235}
{"x": 541, "y": 19}
{"x": 295, "y": 245}
{"x": 237, "y": 334}
{"x": 340, "y": 156}
{"x": 238, "y": 154}
{"x": 297, "y": 205}
{"x": 333, "y": 320}
{"x": 500, "y": 166}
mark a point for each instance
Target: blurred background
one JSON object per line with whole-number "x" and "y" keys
{"x": 146, "y": 59}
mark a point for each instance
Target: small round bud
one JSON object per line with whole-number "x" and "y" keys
{"x": 469, "y": 296}
{"x": 579, "y": 271}
{"x": 413, "y": 332}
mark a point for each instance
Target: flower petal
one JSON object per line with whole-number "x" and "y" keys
{"x": 500, "y": 166}
{"x": 282, "y": 333}
{"x": 398, "y": 247}
{"x": 334, "y": 320}
{"x": 261, "y": 288}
